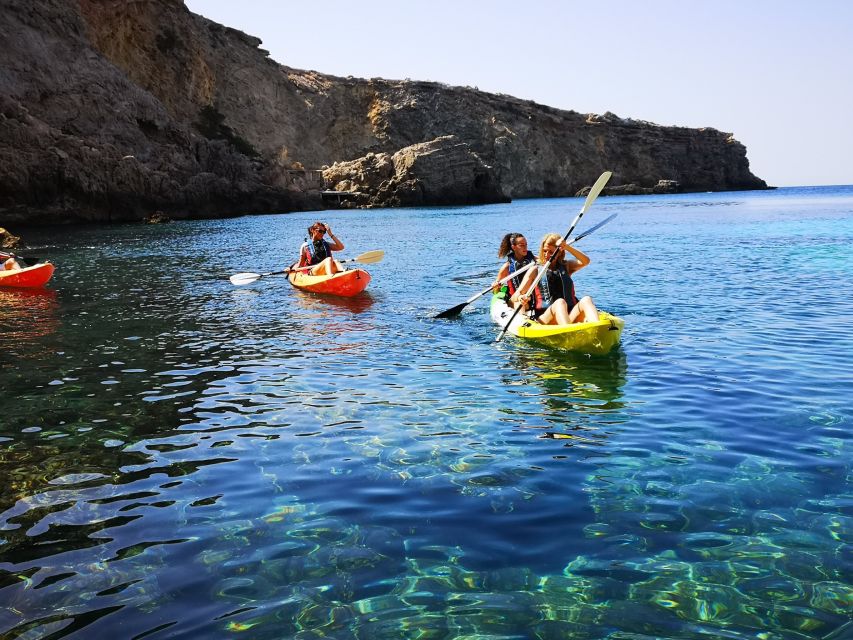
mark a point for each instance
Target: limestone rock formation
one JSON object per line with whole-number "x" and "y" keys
{"x": 443, "y": 171}
{"x": 663, "y": 186}
{"x": 112, "y": 109}
{"x": 8, "y": 240}
{"x": 80, "y": 141}
{"x": 157, "y": 217}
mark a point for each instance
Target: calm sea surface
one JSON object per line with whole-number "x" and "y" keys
{"x": 182, "y": 458}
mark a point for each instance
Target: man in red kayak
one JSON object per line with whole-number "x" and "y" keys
{"x": 317, "y": 252}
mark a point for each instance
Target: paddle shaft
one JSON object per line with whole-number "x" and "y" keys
{"x": 311, "y": 266}
{"x": 503, "y": 280}
{"x": 4, "y": 255}
{"x": 583, "y": 235}
{"x": 455, "y": 311}
{"x": 593, "y": 194}
{"x": 368, "y": 257}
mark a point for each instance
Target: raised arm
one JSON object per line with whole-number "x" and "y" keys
{"x": 579, "y": 263}
{"x": 338, "y": 245}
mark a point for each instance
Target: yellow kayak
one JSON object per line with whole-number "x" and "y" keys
{"x": 597, "y": 338}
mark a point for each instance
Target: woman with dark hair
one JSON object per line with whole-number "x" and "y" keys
{"x": 514, "y": 249}
{"x": 317, "y": 252}
{"x": 554, "y": 299}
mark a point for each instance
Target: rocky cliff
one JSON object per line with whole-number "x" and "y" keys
{"x": 81, "y": 141}
{"x": 110, "y": 109}
{"x": 443, "y": 171}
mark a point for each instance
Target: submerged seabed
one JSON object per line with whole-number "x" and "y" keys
{"x": 183, "y": 458}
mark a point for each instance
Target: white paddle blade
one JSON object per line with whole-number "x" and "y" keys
{"x": 244, "y": 278}
{"x": 596, "y": 189}
{"x": 370, "y": 257}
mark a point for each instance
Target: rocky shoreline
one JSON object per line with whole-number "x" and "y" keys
{"x": 111, "y": 111}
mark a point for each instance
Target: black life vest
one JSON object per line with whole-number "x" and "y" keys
{"x": 317, "y": 251}
{"x": 555, "y": 284}
{"x": 515, "y": 265}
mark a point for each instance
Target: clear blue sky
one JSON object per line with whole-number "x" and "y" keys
{"x": 778, "y": 74}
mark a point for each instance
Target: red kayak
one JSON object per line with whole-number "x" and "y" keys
{"x": 344, "y": 283}
{"x": 28, "y": 277}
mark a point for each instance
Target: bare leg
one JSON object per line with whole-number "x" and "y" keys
{"x": 584, "y": 311}
{"x": 326, "y": 268}
{"x": 557, "y": 313}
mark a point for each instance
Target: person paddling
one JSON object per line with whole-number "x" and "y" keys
{"x": 514, "y": 249}
{"x": 11, "y": 264}
{"x": 554, "y": 299}
{"x": 317, "y": 252}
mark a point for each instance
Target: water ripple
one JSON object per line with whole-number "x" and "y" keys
{"x": 186, "y": 458}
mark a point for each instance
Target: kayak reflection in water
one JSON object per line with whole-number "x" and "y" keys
{"x": 554, "y": 300}
{"x": 317, "y": 252}
{"x": 514, "y": 249}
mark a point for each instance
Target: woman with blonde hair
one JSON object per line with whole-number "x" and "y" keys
{"x": 554, "y": 299}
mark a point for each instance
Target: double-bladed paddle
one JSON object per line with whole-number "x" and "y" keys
{"x": 455, "y": 311}
{"x": 593, "y": 194}
{"x": 247, "y": 278}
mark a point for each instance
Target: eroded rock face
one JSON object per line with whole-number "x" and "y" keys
{"x": 80, "y": 142}
{"x": 8, "y": 240}
{"x": 662, "y": 187}
{"x": 110, "y": 110}
{"x": 443, "y": 171}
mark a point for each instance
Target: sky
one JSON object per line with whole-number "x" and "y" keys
{"x": 778, "y": 74}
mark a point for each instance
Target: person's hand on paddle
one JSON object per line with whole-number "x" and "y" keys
{"x": 523, "y": 300}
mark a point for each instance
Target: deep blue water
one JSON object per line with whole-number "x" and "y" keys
{"x": 182, "y": 458}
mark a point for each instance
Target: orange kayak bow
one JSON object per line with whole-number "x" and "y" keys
{"x": 28, "y": 277}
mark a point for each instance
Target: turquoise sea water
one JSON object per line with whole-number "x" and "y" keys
{"x": 182, "y": 458}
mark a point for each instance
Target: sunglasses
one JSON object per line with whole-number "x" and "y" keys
{"x": 323, "y": 229}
